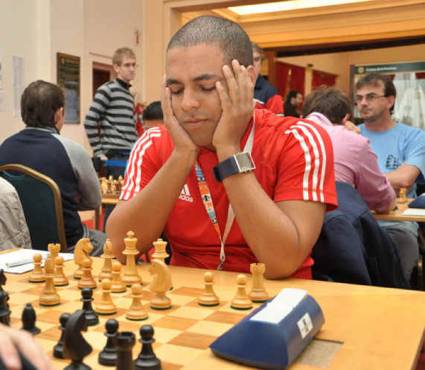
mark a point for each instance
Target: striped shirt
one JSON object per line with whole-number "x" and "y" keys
{"x": 110, "y": 122}
{"x": 294, "y": 161}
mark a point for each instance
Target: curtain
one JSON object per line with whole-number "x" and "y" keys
{"x": 322, "y": 79}
{"x": 289, "y": 77}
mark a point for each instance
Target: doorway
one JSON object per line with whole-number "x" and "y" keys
{"x": 102, "y": 73}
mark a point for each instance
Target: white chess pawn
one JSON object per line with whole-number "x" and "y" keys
{"x": 208, "y": 297}
{"x": 241, "y": 300}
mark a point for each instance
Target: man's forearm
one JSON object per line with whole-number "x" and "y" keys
{"x": 403, "y": 177}
{"x": 271, "y": 235}
{"x": 147, "y": 212}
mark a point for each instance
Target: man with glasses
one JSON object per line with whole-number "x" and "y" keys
{"x": 110, "y": 123}
{"x": 400, "y": 150}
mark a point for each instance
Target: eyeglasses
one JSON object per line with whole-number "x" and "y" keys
{"x": 369, "y": 97}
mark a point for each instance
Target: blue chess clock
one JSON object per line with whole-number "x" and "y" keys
{"x": 274, "y": 334}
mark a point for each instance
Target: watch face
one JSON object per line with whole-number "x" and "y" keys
{"x": 244, "y": 162}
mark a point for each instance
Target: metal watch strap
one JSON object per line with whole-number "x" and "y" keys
{"x": 230, "y": 166}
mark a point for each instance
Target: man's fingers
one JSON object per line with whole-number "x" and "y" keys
{"x": 223, "y": 95}
{"x": 245, "y": 85}
{"x": 232, "y": 85}
{"x": 8, "y": 353}
{"x": 31, "y": 350}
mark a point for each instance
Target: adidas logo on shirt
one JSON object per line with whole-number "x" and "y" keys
{"x": 185, "y": 194}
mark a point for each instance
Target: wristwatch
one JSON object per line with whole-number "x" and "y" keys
{"x": 238, "y": 163}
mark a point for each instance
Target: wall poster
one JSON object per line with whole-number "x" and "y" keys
{"x": 68, "y": 77}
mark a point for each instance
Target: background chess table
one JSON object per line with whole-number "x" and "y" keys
{"x": 365, "y": 328}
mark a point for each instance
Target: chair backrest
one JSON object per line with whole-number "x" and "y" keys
{"x": 352, "y": 248}
{"x": 42, "y": 204}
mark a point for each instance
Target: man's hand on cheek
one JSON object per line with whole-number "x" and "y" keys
{"x": 237, "y": 105}
{"x": 182, "y": 141}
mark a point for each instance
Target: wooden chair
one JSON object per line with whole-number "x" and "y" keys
{"x": 42, "y": 204}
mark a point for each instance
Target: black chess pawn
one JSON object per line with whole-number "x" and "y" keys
{"x": 29, "y": 318}
{"x": 125, "y": 343}
{"x": 3, "y": 279}
{"x": 58, "y": 348}
{"x": 4, "y": 308}
{"x": 87, "y": 298}
{"x": 147, "y": 359}
{"x": 75, "y": 347}
{"x": 108, "y": 356}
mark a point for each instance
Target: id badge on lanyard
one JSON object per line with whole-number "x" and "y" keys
{"x": 209, "y": 206}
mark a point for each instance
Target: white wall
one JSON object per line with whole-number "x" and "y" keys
{"x": 339, "y": 63}
{"x": 19, "y": 35}
{"x": 38, "y": 29}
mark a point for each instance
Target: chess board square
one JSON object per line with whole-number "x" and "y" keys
{"x": 70, "y": 294}
{"x": 176, "y": 354}
{"x": 22, "y": 298}
{"x": 165, "y": 335}
{"x": 194, "y": 340}
{"x": 191, "y": 313}
{"x": 53, "y": 333}
{"x": 181, "y": 300}
{"x": 210, "y": 328}
{"x": 52, "y": 315}
{"x": 169, "y": 366}
{"x": 174, "y": 323}
{"x": 225, "y": 317}
{"x": 227, "y": 308}
{"x": 21, "y": 287}
{"x": 194, "y": 292}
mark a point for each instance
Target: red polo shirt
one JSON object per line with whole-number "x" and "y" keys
{"x": 293, "y": 159}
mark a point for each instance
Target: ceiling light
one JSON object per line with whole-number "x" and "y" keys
{"x": 281, "y": 6}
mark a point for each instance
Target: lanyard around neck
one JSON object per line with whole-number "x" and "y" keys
{"x": 209, "y": 205}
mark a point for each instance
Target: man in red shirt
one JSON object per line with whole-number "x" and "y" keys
{"x": 216, "y": 157}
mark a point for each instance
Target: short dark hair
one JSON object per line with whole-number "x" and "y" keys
{"x": 329, "y": 101}
{"x": 39, "y": 103}
{"x": 229, "y": 36}
{"x": 153, "y": 112}
{"x": 375, "y": 79}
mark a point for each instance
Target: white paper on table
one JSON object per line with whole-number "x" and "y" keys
{"x": 414, "y": 212}
{"x": 25, "y": 255}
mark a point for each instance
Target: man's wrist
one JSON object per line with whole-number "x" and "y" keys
{"x": 186, "y": 158}
{"x": 226, "y": 151}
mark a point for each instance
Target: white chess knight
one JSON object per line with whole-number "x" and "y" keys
{"x": 161, "y": 283}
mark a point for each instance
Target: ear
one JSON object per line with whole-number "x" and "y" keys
{"x": 116, "y": 68}
{"x": 346, "y": 118}
{"x": 391, "y": 101}
{"x": 252, "y": 75}
{"x": 59, "y": 118}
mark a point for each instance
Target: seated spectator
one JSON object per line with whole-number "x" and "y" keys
{"x": 355, "y": 162}
{"x": 41, "y": 147}
{"x": 265, "y": 94}
{"x": 13, "y": 227}
{"x": 293, "y": 101}
{"x": 152, "y": 115}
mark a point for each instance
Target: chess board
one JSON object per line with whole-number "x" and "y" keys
{"x": 182, "y": 333}
{"x": 356, "y": 318}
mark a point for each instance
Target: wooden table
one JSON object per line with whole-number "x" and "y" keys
{"x": 397, "y": 214}
{"x": 378, "y": 328}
